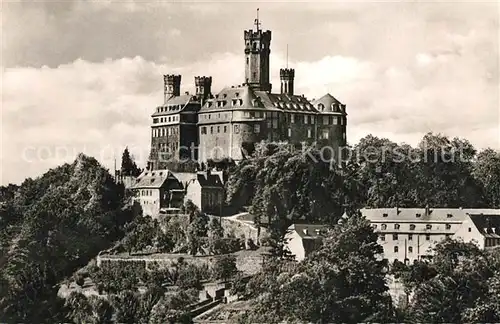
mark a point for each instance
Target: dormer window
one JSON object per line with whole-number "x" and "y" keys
{"x": 334, "y": 107}
{"x": 224, "y": 95}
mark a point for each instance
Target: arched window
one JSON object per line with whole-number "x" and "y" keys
{"x": 384, "y": 226}
{"x": 396, "y": 249}
{"x": 321, "y": 107}
{"x": 254, "y": 46}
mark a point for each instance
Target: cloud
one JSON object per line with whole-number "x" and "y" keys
{"x": 80, "y": 76}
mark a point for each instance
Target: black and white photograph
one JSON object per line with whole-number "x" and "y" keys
{"x": 247, "y": 162}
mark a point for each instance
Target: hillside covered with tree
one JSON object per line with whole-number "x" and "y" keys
{"x": 51, "y": 226}
{"x": 279, "y": 184}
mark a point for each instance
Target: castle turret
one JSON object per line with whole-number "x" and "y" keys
{"x": 203, "y": 86}
{"x": 257, "y": 50}
{"x": 172, "y": 86}
{"x": 286, "y": 77}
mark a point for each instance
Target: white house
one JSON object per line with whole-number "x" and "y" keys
{"x": 302, "y": 239}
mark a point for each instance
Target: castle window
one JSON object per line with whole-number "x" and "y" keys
{"x": 394, "y": 237}
{"x": 241, "y": 102}
{"x": 254, "y": 46}
{"x": 428, "y": 226}
{"x": 237, "y": 94}
{"x": 225, "y": 129}
{"x": 449, "y": 215}
{"x": 448, "y": 226}
{"x": 396, "y": 226}
{"x": 418, "y": 215}
{"x": 247, "y": 60}
{"x": 410, "y": 237}
{"x": 236, "y": 129}
{"x": 335, "y": 120}
{"x": 325, "y": 134}
{"x": 410, "y": 249}
{"x": 385, "y": 215}
{"x": 211, "y": 129}
{"x": 384, "y": 226}
{"x": 412, "y": 227}
{"x": 382, "y": 237}
{"x": 224, "y": 95}
{"x": 305, "y": 119}
{"x": 321, "y": 107}
{"x": 209, "y": 115}
{"x": 169, "y": 119}
{"x": 334, "y": 107}
{"x": 218, "y": 129}
{"x": 396, "y": 249}
{"x": 233, "y": 102}
{"x": 246, "y": 114}
{"x": 427, "y": 237}
{"x": 256, "y": 128}
{"x": 290, "y": 131}
{"x": 309, "y": 133}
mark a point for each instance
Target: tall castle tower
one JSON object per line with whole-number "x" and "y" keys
{"x": 286, "y": 77}
{"x": 257, "y": 50}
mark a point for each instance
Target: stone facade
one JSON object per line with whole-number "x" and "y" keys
{"x": 206, "y": 126}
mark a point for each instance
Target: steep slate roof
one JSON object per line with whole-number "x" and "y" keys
{"x": 330, "y": 104}
{"x": 487, "y": 225}
{"x": 209, "y": 180}
{"x": 308, "y": 231}
{"x": 153, "y": 179}
{"x": 175, "y": 104}
{"x": 410, "y": 214}
{"x": 244, "y": 97}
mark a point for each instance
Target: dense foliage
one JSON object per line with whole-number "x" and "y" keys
{"x": 342, "y": 282}
{"x": 281, "y": 185}
{"x": 51, "y": 226}
{"x": 459, "y": 285}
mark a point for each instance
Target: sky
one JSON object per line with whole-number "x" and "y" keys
{"x": 85, "y": 76}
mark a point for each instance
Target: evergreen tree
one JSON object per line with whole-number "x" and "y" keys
{"x": 129, "y": 168}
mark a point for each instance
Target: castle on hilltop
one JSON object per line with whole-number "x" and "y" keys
{"x": 205, "y": 126}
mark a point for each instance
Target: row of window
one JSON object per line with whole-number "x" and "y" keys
{"x": 168, "y": 108}
{"x": 168, "y": 119}
{"x": 395, "y": 237}
{"x": 170, "y": 147}
{"x": 412, "y": 226}
{"x": 212, "y": 199}
{"x": 418, "y": 215}
{"x": 291, "y": 118}
{"x": 146, "y": 192}
{"x": 164, "y": 131}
